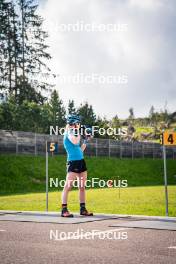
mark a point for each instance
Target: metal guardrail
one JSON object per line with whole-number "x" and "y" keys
{"x": 19, "y": 142}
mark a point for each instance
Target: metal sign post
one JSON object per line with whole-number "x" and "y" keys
{"x": 51, "y": 147}
{"x": 46, "y": 178}
{"x": 165, "y": 180}
{"x": 168, "y": 138}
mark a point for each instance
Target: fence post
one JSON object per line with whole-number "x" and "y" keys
{"x": 153, "y": 148}
{"x": 120, "y": 149}
{"x": 142, "y": 150}
{"x": 173, "y": 152}
{"x": 35, "y": 144}
{"x": 16, "y": 142}
{"x": 132, "y": 150}
{"x": 96, "y": 147}
{"x": 109, "y": 149}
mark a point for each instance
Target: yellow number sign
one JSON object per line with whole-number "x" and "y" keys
{"x": 52, "y": 147}
{"x": 169, "y": 138}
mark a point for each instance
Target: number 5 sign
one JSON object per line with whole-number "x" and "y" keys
{"x": 169, "y": 138}
{"x": 52, "y": 147}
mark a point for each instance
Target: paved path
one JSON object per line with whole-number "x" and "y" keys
{"x": 105, "y": 239}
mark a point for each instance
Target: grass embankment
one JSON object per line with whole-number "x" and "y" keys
{"x": 24, "y": 174}
{"x": 22, "y": 185}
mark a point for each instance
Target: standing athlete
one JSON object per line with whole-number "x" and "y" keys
{"x": 76, "y": 166}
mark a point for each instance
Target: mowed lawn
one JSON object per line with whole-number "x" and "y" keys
{"x": 149, "y": 200}
{"x": 22, "y": 185}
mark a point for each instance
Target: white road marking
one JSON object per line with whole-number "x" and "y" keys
{"x": 173, "y": 247}
{"x": 89, "y": 233}
{"x": 2, "y": 230}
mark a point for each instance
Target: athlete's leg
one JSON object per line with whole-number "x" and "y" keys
{"x": 71, "y": 176}
{"x": 82, "y": 194}
{"x": 82, "y": 183}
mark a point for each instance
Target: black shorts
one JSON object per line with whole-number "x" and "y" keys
{"x": 76, "y": 166}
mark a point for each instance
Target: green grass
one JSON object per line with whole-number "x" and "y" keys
{"x": 26, "y": 174}
{"x": 134, "y": 200}
{"x": 144, "y": 129}
{"x": 147, "y": 130}
{"x": 22, "y": 185}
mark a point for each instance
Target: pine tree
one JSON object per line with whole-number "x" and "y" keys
{"x": 71, "y": 107}
{"x": 16, "y": 50}
{"x": 87, "y": 114}
{"x": 23, "y": 51}
{"x": 115, "y": 123}
{"x": 152, "y": 115}
{"x": 5, "y": 30}
{"x": 57, "y": 110}
{"x": 33, "y": 48}
{"x": 131, "y": 111}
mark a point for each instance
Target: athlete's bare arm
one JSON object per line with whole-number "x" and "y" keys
{"x": 83, "y": 147}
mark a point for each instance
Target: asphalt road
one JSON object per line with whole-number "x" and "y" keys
{"x": 29, "y": 242}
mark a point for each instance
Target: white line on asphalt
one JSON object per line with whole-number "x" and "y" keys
{"x": 2, "y": 230}
{"x": 93, "y": 232}
{"x": 173, "y": 247}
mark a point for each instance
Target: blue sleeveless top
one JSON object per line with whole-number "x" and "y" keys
{"x": 74, "y": 151}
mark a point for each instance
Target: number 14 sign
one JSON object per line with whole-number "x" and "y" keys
{"x": 168, "y": 138}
